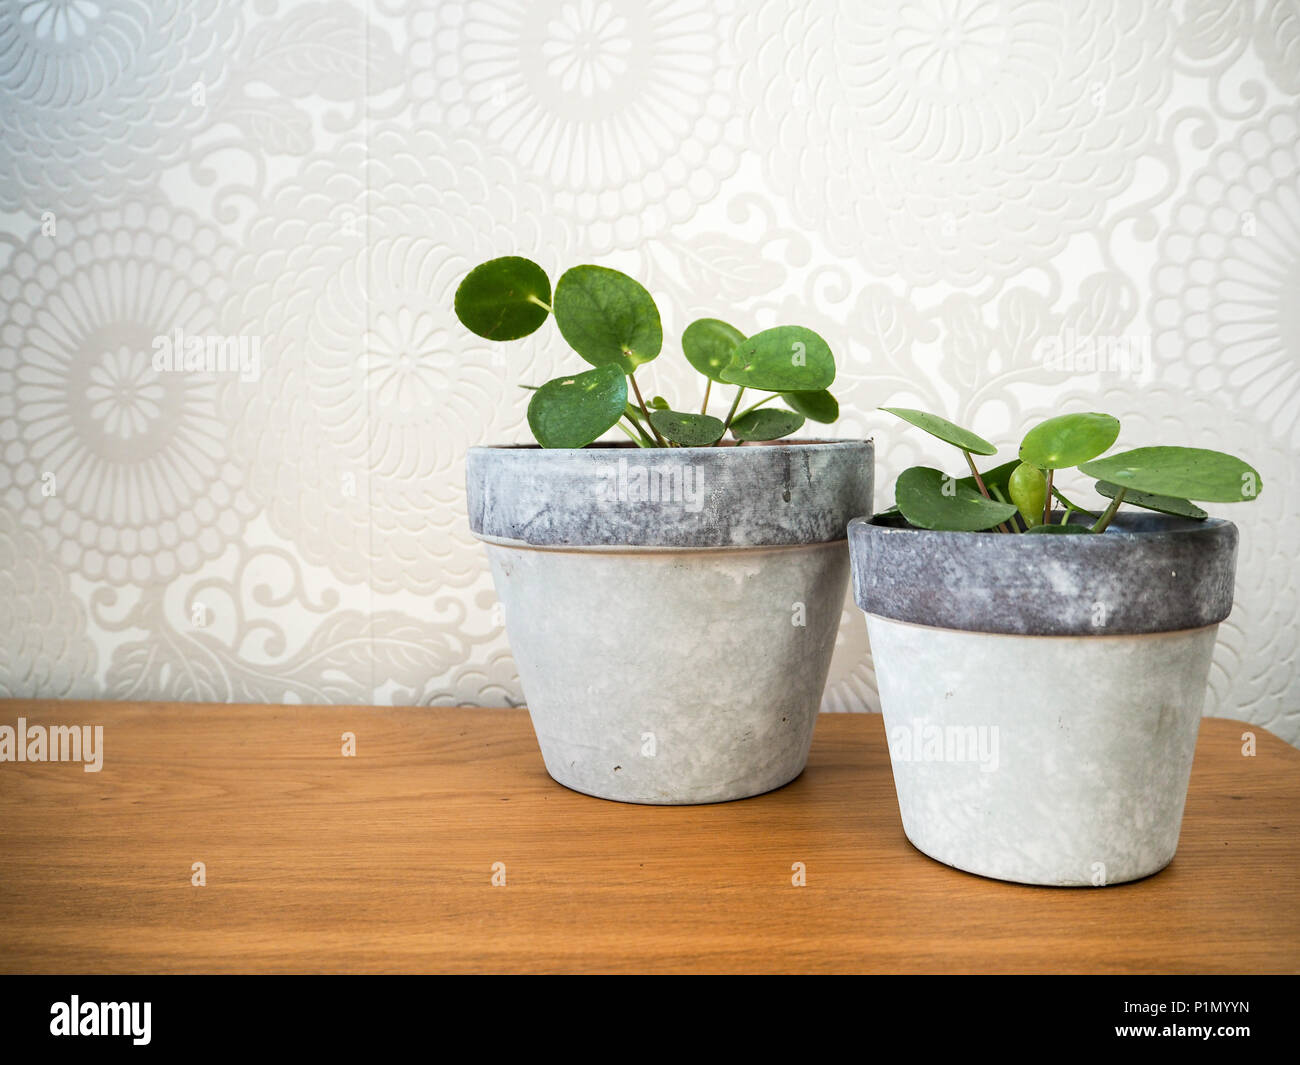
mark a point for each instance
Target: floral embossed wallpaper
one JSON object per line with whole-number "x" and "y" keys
{"x": 977, "y": 202}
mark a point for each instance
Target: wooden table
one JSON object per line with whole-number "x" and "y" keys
{"x": 385, "y": 861}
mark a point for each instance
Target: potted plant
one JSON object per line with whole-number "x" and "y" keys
{"x": 671, "y": 601}
{"x": 1042, "y": 667}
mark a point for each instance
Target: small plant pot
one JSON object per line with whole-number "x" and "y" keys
{"x": 672, "y": 612}
{"x": 1042, "y": 694}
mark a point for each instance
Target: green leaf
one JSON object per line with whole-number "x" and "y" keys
{"x": 930, "y": 499}
{"x": 607, "y": 318}
{"x": 1028, "y": 488}
{"x": 708, "y": 344}
{"x": 1060, "y": 530}
{"x": 659, "y": 403}
{"x": 574, "y": 411}
{"x": 788, "y": 358}
{"x": 944, "y": 430}
{"x": 995, "y": 480}
{"x": 1068, "y": 439}
{"x": 1180, "y": 472}
{"x": 766, "y": 423}
{"x": 1163, "y": 504}
{"x": 819, "y": 406}
{"x": 496, "y": 298}
{"x": 688, "y": 430}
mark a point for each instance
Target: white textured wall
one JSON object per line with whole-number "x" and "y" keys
{"x": 939, "y": 187}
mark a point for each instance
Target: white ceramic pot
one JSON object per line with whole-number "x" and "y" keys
{"x": 672, "y": 642}
{"x": 1042, "y": 695}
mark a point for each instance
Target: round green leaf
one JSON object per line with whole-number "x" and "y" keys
{"x": 819, "y": 406}
{"x": 1060, "y": 530}
{"x": 1028, "y": 488}
{"x": 574, "y": 411}
{"x": 930, "y": 499}
{"x": 944, "y": 430}
{"x": 788, "y": 358}
{"x": 708, "y": 344}
{"x": 496, "y": 299}
{"x": 766, "y": 423}
{"x": 1068, "y": 439}
{"x": 1163, "y": 504}
{"x": 1180, "y": 472}
{"x": 688, "y": 430}
{"x": 607, "y": 318}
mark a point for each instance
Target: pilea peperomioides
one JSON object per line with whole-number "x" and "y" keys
{"x": 611, "y": 321}
{"x": 1016, "y": 497}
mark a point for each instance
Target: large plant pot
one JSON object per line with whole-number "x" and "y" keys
{"x": 1042, "y": 695}
{"x": 672, "y": 612}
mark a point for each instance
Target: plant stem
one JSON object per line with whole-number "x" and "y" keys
{"x": 1072, "y": 506}
{"x": 641, "y": 403}
{"x": 633, "y": 415}
{"x": 1012, "y": 525}
{"x": 1047, "y": 500}
{"x": 755, "y": 406}
{"x": 731, "y": 414}
{"x": 547, "y": 306}
{"x": 1002, "y": 526}
{"x": 708, "y": 387}
{"x": 976, "y": 474}
{"x": 640, "y": 441}
{"x": 642, "y": 438}
{"x": 1109, "y": 513}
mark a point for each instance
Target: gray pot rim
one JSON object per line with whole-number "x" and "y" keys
{"x": 784, "y": 493}
{"x": 627, "y": 445}
{"x": 1147, "y": 573}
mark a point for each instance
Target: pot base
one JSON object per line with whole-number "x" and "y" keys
{"x": 638, "y": 694}
{"x": 1001, "y": 774}
{"x": 727, "y": 796}
{"x": 1069, "y": 882}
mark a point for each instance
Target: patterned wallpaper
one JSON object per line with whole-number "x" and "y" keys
{"x": 978, "y": 202}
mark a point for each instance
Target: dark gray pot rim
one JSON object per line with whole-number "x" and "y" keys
{"x": 786, "y": 493}
{"x": 1148, "y": 573}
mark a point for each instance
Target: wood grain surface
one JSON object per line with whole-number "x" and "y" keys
{"x": 384, "y": 862}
